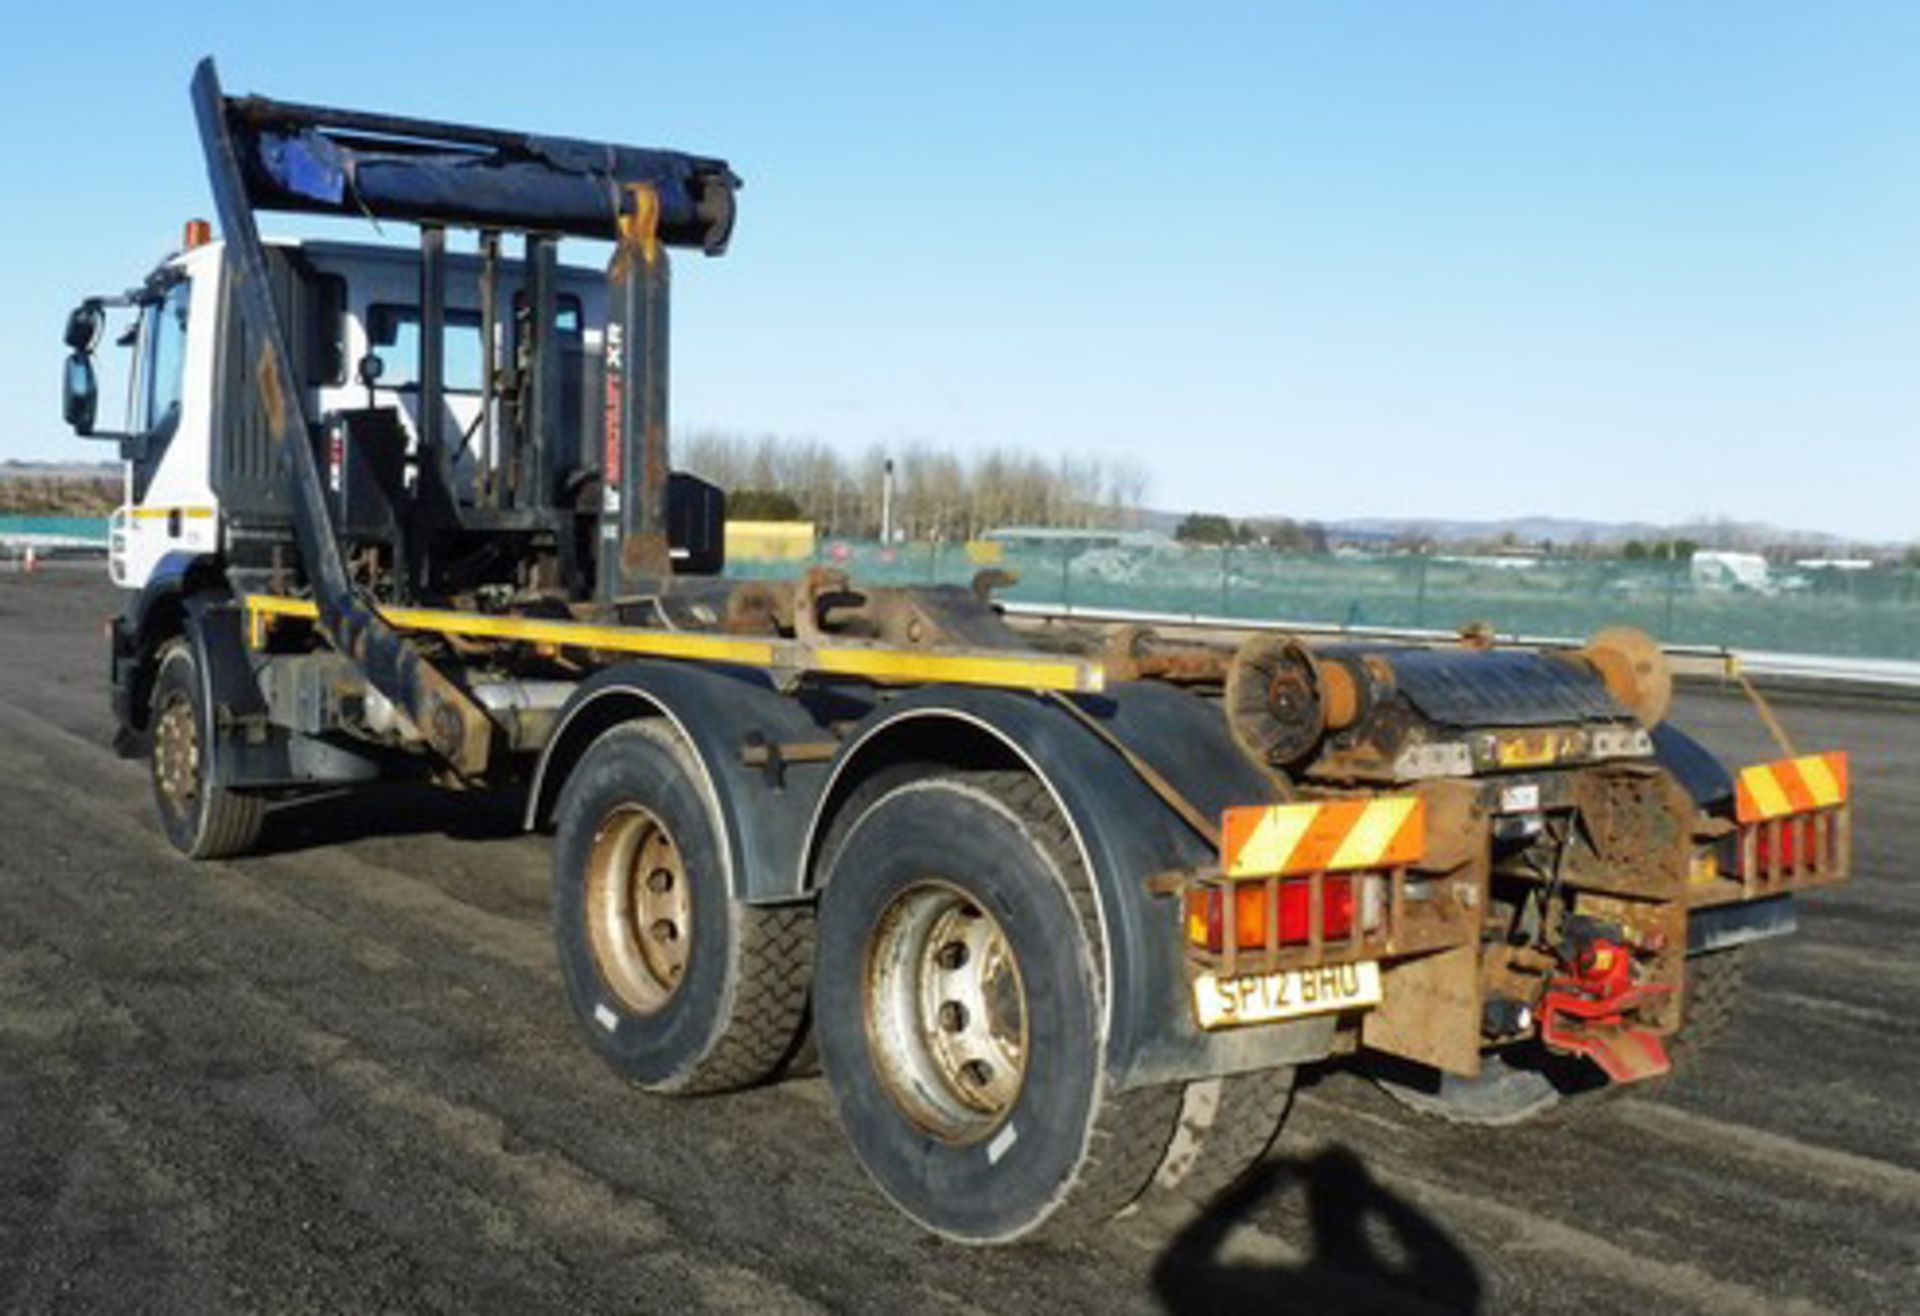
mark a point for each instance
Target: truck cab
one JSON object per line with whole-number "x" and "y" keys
{"x": 194, "y": 465}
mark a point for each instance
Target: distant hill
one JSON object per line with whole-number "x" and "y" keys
{"x": 13, "y": 469}
{"x": 1568, "y": 530}
{"x": 1558, "y": 530}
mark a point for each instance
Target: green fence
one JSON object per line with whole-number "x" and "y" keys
{"x": 1856, "y": 614}
{"x": 76, "y": 527}
{"x": 1851, "y": 613}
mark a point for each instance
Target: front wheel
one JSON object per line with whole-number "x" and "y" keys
{"x": 202, "y": 818}
{"x": 960, "y": 1008}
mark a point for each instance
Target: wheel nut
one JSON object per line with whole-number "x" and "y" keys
{"x": 953, "y": 1016}
{"x": 951, "y": 956}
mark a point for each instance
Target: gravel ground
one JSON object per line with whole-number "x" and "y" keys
{"x": 341, "y": 1076}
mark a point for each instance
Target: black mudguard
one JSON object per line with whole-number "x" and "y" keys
{"x": 186, "y": 597}
{"x": 1693, "y": 765}
{"x": 152, "y": 616}
{"x": 719, "y": 711}
{"x": 252, "y": 753}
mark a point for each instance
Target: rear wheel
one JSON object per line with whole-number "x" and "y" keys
{"x": 202, "y": 818}
{"x": 960, "y": 1014}
{"x": 678, "y": 985}
{"x": 1226, "y": 1128}
{"x": 1527, "y": 1082}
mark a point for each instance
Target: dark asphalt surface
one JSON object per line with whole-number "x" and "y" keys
{"x": 341, "y": 1076}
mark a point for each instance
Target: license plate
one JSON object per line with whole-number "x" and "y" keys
{"x": 1262, "y": 998}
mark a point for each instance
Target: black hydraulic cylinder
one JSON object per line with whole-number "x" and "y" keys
{"x": 433, "y": 336}
{"x": 543, "y": 359}
{"x": 430, "y": 375}
{"x": 322, "y": 160}
{"x": 485, "y": 476}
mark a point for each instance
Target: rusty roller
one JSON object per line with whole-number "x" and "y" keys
{"x": 1633, "y": 669}
{"x": 1282, "y": 701}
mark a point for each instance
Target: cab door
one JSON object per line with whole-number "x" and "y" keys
{"x": 170, "y": 503}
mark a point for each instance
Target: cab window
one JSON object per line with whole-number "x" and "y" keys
{"x": 394, "y": 334}
{"x": 163, "y": 365}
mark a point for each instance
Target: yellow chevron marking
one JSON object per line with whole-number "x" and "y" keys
{"x": 1273, "y": 840}
{"x": 1769, "y": 800}
{"x": 1819, "y": 780}
{"x": 1374, "y": 832}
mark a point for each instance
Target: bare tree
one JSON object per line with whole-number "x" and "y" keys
{"x": 937, "y": 494}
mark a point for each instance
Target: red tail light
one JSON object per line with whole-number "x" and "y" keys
{"x": 1763, "y": 845}
{"x": 1206, "y": 913}
{"x": 1794, "y": 844}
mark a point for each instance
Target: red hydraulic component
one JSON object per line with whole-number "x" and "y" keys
{"x": 1585, "y": 1013}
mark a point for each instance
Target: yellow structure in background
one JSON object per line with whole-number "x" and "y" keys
{"x": 769, "y": 541}
{"x": 986, "y": 552}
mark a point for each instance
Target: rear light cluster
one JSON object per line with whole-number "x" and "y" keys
{"x": 1798, "y": 847}
{"x": 1252, "y": 917}
{"x": 1794, "y": 824}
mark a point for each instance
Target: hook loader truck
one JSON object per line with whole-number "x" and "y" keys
{"x": 1060, "y": 913}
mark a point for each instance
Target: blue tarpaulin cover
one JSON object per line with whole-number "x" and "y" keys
{"x": 546, "y": 185}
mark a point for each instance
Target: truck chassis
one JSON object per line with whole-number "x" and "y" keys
{"x": 1060, "y": 910}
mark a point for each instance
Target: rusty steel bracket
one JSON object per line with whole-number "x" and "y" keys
{"x": 634, "y": 466}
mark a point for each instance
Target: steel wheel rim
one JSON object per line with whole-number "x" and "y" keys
{"x": 176, "y": 755}
{"x": 946, "y": 1012}
{"x": 639, "y": 910}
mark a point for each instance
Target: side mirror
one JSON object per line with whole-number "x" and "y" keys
{"x": 84, "y": 324}
{"x": 80, "y": 394}
{"x": 370, "y": 369}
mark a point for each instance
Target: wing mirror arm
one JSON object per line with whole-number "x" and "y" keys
{"x": 79, "y": 386}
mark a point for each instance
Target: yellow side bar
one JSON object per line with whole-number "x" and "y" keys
{"x": 542, "y": 630}
{"x": 917, "y": 665}
{"x": 161, "y": 513}
{"x": 890, "y": 666}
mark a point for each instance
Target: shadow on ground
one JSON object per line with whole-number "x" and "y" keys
{"x": 1367, "y": 1249}
{"x": 396, "y": 809}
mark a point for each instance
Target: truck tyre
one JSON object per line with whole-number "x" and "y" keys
{"x": 960, "y": 1006}
{"x": 1710, "y": 993}
{"x": 678, "y": 986}
{"x": 1513, "y": 1092}
{"x": 202, "y": 818}
{"x": 1226, "y": 1127}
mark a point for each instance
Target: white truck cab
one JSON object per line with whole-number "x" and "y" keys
{"x": 357, "y": 324}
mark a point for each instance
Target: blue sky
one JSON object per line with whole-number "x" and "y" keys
{"x": 1623, "y": 261}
